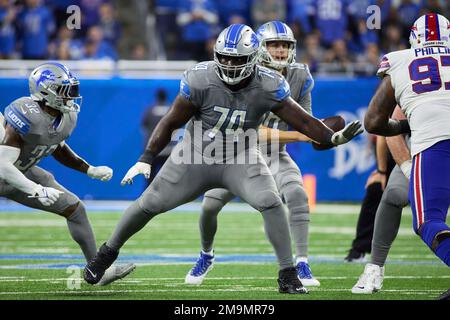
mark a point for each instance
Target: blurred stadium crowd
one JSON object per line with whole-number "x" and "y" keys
{"x": 332, "y": 34}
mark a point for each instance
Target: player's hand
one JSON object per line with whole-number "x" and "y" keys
{"x": 46, "y": 195}
{"x": 102, "y": 173}
{"x": 348, "y": 133}
{"x": 138, "y": 168}
{"x": 376, "y": 177}
{"x": 406, "y": 168}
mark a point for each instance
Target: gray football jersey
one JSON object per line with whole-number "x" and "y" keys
{"x": 301, "y": 83}
{"x": 40, "y": 132}
{"x": 226, "y": 116}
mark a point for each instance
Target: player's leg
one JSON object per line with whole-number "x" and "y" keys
{"x": 430, "y": 198}
{"x": 172, "y": 187}
{"x": 254, "y": 184}
{"x": 213, "y": 202}
{"x": 68, "y": 205}
{"x": 290, "y": 185}
{"x": 387, "y": 224}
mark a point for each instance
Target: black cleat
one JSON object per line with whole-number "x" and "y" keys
{"x": 95, "y": 269}
{"x": 288, "y": 282}
{"x": 445, "y": 295}
{"x": 354, "y": 256}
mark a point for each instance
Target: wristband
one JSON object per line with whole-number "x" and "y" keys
{"x": 404, "y": 127}
{"x": 381, "y": 171}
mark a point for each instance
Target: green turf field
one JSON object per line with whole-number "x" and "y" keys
{"x": 36, "y": 249}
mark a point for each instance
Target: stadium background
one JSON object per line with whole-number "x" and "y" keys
{"x": 125, "y": 51}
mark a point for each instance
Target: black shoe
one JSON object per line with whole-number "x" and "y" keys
{"x": 354, "y": 256}
{"x": 445, "y": 295}
{"x": 288, "y": 282}
{"x": 95, "y": 269}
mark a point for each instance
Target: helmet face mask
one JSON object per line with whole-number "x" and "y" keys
{"x": 430, "y": 30}
{"x": 236, "y": 53}
{"x": 276, "y": 31}
{"x": 54, "y": 85}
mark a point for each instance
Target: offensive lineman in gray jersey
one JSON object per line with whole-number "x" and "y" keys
{"x": 35, "y": 127}
{"x": 225, "y": 99}
{"x": 278, "y": 47}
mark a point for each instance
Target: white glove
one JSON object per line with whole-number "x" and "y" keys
{"x": 350, "y": 131}
{"x": 406, "y": 168}
{"x": 138, "y": 168}
{"x": 46, "y": 195}
{"x": 102, "y": 173}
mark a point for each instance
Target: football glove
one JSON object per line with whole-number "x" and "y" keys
{"x": 348, "y": 133}
{"x": 138, "y": 168}
{"x": 335, "y": 123}
{"x": 46, "y": 195}
{"x": 102, "y": 173}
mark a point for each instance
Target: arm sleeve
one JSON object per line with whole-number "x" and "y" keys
{"x": 281, "y": 92}
{"x": 12, "y": 175}
{"x": 16, "y": 118}
{"x": 190, "y": 87}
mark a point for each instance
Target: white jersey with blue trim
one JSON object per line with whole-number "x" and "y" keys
{"x": 421, "y": 81}
{"x": 230, "y": 113}
{"x": 41, "y": 133}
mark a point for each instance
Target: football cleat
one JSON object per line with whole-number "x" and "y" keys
{"x": 96, "y": 268}
{"x": 288, "y": 282}
{"x": 203, "y": 265}
{"x": 305, "y": 275}
{"x": 354, "y": 256}
{"x": 370, "y": 281}
{"x": 116, "y": 272}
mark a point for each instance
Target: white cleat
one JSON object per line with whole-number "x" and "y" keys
{"x": 116, "y": 272}
{"x": 201, "y": 268}
{"x": 370, "y": 281}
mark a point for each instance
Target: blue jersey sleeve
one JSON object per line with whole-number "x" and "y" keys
{"x": 16, "y": 118}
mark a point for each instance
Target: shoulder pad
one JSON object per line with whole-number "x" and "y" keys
{"x": 274, "y": 83}
{"x": 195, "y": 78}
{"x": 390, "y": 60}
{"x": 21, "y": 114}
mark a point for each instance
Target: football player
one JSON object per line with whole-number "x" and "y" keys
{"x": 225, "y": 100}
{"x": 277, "y": 52}
{"x": 389, "y": 212}
{"x": 35, "y": 127}
{"x": 418, "y": 79}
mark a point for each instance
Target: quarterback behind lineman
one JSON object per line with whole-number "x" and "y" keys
{"x": 228, "y": 97}
{"x": 277, "y": 52}
{"x": 35, "y": 127}
{"x": 418, "y": 79}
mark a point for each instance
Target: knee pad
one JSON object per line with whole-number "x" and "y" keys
{"x": 295, "y": 197}
{"x": 151, "y": 203}
{"x": 267, "y": 200}
{"x": 396, "y": 196}
{"x": 211, "y": 205}
{"x": 299, "y": 217}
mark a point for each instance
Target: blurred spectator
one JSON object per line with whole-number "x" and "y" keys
{"x": 407, "y": 12}
{"x": 59, "y": 9}
{"x": 36, "y": 25}
{"x": 434, "y": 6}
{"x": 331, "y": 19}
{"x": 393, "y": 39}
{"x": 301, "y": 12}
{"x": 7, "y": 31}
{"x": 166, "y": 13}
{"x": 197, "y": 19}
{"x": 267, "y": 10}
{"x": 90, "y": 14}
{"x": 152, "y": 115}
{"x": 233, "y": 11}
{"x": 338, "y": 57}
{"x": 96, "y": 47}
{"x": 313, "y": 53}
{"x": 109, "y": 24}
{"x": 65, "y": 47}
{"x": 367, "y": 63}
{"x": 139, "y": 52}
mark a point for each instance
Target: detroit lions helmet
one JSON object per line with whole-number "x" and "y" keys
{"x": 430, "y": 30}
{"x": 238, "y": 44}
{"x": 54, "y": 84}
{"x": 276, "y": 31}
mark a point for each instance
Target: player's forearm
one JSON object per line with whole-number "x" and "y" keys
{"x": 159, "y": 139}
{"x": 382, "y": 154}
{"x": 12, "y": 175}
{"x": 279, "y": 136}
{"x": 399, "y": 149}
{"x": 66, "y": 156}
{"x": 385, "y": 128}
